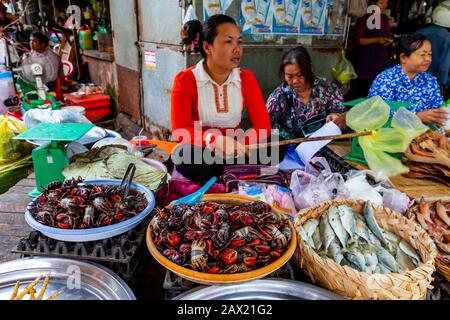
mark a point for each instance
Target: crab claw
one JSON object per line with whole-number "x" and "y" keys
{"x": 263, "y": 249}
{"x": 230, "y": 256}
{"x": 276, "y": 253}
{"x": 214, "y": 270}
{"x": 64, "y": 225}
{"x": 250, "y": 261}
{"x": 237, "y": 243}
{"x": 254, "y": 243}
{"x": 173, "y": 239}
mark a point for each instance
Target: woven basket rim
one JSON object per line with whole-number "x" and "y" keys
{"x": 433, "y": 253}
{"x": 412, "y": 211}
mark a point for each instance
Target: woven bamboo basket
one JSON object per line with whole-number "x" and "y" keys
{"x": 223, "y": 279}
{"x": 441, "y": 266}
{"x": 352, "y": 284}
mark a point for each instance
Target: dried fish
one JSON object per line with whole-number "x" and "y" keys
{"x": 372, "y": 223}
{"x": 335, "y": 222}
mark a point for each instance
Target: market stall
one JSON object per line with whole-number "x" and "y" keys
{"x": 327, "y": 228}
{"x": 320, "y": 232}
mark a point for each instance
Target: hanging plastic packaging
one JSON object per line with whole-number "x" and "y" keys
{"x": 344, "y": 71}
{"x": 190, "y": 14}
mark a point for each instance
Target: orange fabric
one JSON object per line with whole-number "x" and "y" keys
{"x": 184, "y": 107}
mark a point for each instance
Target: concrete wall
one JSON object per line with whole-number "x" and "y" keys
{"x": 265, "y": 63}
{"x": 126, "y": 52}
{"x": 160, "y": 23}
{"x": 125, "y": 33}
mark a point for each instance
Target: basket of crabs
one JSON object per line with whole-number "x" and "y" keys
{"x": 221, "y": 240}
{"x": 364, "y": 251}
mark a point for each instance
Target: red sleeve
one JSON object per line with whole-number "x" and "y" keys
{"x": 360, "y": 29}
{"x": 256, "y": 106}
{"x": 183, "y": 104}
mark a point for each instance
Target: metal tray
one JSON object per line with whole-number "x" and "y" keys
{"x": 261, "y": 290}
{"x": 79, "y": 280}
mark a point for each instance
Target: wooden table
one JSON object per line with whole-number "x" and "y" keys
{"x": 414, "y": 188}
{"x": 12, "y": 217}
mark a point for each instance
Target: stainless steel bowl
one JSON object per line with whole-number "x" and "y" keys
{"x": 276, "y": 289}
{"x": 79, "y": 280}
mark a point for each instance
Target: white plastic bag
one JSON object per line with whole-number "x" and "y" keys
{"x": 360, "y": 189}
{"x": 311, "y": 186}
{"x": 34, "y": 117}
{"x": 190, "y": 14}
{"x": 382, "y": 193}
{"x": 395, "y": 200}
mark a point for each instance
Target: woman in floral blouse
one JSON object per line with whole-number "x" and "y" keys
{"x": 303, "y": 98}
{"x": 409, "y": 82}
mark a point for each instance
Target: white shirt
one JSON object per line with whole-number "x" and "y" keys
{"x": 219, "y": 106}
{"x": 54, "y": 59}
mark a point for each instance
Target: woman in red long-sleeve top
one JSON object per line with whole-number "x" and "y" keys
{"x": 208, "y": 100}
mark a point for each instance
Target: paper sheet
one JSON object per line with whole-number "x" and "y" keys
{"x": 306, "y": 151}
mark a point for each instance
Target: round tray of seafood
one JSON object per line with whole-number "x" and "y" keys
{"x": 221, "y": 240}
{"x": 79, "y": 211}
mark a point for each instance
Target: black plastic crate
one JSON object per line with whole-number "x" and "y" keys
{"x": 123, "y": 254}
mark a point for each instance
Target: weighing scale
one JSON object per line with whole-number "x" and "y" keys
{"x": 50, "y": 159}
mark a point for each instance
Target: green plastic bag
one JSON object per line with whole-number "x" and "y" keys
{"x": 11, "y": 149}
{"x": 372, "y": 115}
{"x": 380, "y": 161}
{"x": 344, "y": 71}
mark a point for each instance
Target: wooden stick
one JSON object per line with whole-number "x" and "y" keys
{"x": 310, "y": 139}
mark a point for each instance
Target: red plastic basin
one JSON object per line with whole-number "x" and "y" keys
{"x": 98, "y": 106}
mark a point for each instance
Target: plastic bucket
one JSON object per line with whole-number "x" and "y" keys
{"x": 86, "y": 40}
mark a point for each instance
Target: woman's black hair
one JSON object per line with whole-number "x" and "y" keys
{"x": 210, "y": 32}
{"x": 191, "y": 34}
{"x": 42, "y": 38}
{"x": 300, "y": 57}
{"x": 410, "y": 43}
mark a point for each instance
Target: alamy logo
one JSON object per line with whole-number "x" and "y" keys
{"x": 74, "y": 13}
{"x": 73, "y": 277}
{"x": 374, "y": 20}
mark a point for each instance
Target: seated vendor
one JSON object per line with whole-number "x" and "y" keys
{"x": 4, "y": 19}
{"x": 409, "y": 82}
{"x": 213, "y": 95}
{"x": 303, "y": 102}
{"x": 39, "y": 47}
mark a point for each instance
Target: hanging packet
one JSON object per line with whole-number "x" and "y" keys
{"x": 344, "y": 71}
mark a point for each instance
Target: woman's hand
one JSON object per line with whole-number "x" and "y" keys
{"x": 384, "y": 41}
{"x": 227, "y": 147}
{"x": 433, "y": 116}
{"x": 338, "y": 119}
